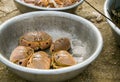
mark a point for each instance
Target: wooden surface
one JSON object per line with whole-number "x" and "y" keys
{"x": 106, "y": 68}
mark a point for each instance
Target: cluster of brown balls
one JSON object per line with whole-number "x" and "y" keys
{"x": 31, "y": 51}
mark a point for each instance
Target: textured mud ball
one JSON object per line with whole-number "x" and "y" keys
{"x": 61, "y": 59}
{"x": 36, "y": 40}
{"x": 21, "y": 54}
{"x": 60, "y": 44}
{"x": 39, "y": 60}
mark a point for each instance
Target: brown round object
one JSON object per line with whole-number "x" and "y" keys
{"x": 60, "y": 44}
{"x": 62, "y": 59}
{"x": 21, "y": 54}
{"x": 36, "y": 40}
{"x": 43, "y": 3}
{"x": 39, "y": 60}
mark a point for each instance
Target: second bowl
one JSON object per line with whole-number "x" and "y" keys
{"x": 85, "y": 39}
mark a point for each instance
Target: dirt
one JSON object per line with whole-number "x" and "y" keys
{"x": 106, "y": 68}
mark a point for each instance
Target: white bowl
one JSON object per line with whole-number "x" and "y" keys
{"x": 25, "y": 7}
{"x": 115, "y": 29}
{"x": 57, "y": 24}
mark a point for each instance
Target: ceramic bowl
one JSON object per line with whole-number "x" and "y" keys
{"x": 82, "y": 34}
{"x": 24, "y": 7}
{"x": 107, "y": 7}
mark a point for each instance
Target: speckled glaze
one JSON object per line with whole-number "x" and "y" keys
{"x": 57, "y": 24}
{"x": 115, "y": 29}
{"x": 24, "y": 7}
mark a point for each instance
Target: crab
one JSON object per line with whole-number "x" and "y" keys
{"x": 39, "y": 60}
{"x": 60, "y": 44}
{"x": 51, "y": 3}
{"x": 21, "y": 54}
{"x": 62, "y": 59}
{"x": 43, "y": 3}
{"x": 65, "y": 2}
{"x": 36, "y": 40}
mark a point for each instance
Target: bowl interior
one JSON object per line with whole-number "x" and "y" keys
{"x": 112, "y": 4}
{"x": 83, "y": 37}
{"x": 109, "y": 4}
{"x": 44, "y": 8}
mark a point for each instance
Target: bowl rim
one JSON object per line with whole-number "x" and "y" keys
{"x": 113, "y": 26}
{"x": 42, "y": 8}
{"x": 62, "y": 70}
